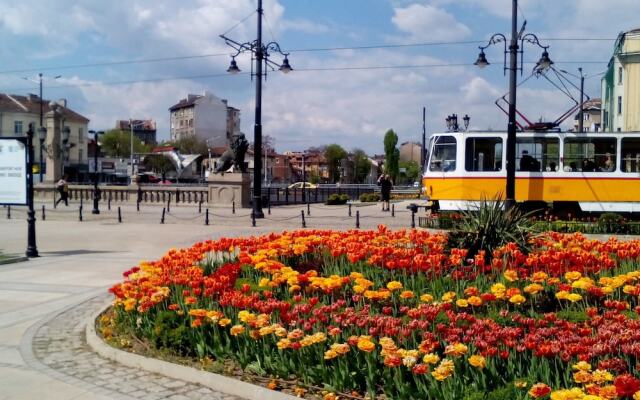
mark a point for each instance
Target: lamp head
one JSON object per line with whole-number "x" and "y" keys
{"x": 66, "y": 132}
{"x": 233, "y": 67}
{"x": 466, "y": 121}
{"x": 42, "y": 133}
{"x": 545, "y": 62}
{"x": 285, "y": 67}
{"x": 481, "y": 62}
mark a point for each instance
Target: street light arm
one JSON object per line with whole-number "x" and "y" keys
{"x": 496, "y": 38}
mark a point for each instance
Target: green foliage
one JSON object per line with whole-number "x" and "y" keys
{"x": 337, "y": 199}
{"x": 191, "y": 144}
{"x": 412, "y": 171}
{"x": 313, "y": 177}
{"x": 489, "y": 226}
{"x": 117, "y": 143}
{"x": 611, "y": 222}
{"x": 171, "y": 332}
{"x": 392, "y": 154}
{"x": 361, "y": 165}
{"x": 159, "y": 163}
{"x": 369, "y": 197}
{"x": 334, "y": 154}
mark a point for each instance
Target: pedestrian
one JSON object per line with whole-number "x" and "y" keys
{"x": 63, "y": 190}
{"x": 385, "y": 184}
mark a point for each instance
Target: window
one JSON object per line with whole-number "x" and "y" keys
{"x": 483, "y": 154}
{"x": 443, "y": 154}
{"x": 586, "y": 116}
{"x": 80, "y": 156}
{"x": 619, "y": 104}
{"x": 619, "y": 75}
{"x": 630, "y": 155}
{"x": 17, "y": 127}
{"x": 80, "y": 135}
{"x": 589, "y": 155}
{"x": 538, "y": 154}
{"x": 191, "y": 122}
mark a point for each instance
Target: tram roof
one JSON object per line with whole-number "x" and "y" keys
{"x": 541, "y": 133}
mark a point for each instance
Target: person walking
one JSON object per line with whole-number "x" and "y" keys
{"x": 63, "y": 190}
{"x": 385, "y": 184}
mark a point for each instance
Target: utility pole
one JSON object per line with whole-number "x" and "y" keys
{"x": 424, "y": 138}
{"x": 581, "y": 113}
{"x": 131, "y": 150}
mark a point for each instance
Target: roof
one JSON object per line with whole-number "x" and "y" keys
{"x": 31, "y": 105}
{"x": 138, "y": 124}
{"x": 188, "y": 102}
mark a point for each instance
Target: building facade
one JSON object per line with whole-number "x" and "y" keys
{"x": 17, "y": 112}
{"x": 592, "y": 116}
{"x": 143, "y": 129}
{"x": 621, "y": 85}
{"x": 410, "y": 151}
{"x": 205, "y": 116}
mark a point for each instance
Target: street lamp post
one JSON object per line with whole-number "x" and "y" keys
{"x": 513, "y": 50}
{"x": 261, "y": 52}
{"x": 304, "y": 176}
{"x": 96, "y": 191}
{"x": 32, "y": 250}
{"x": 66, "y": 133}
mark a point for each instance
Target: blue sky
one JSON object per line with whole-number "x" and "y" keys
{"x": 307, "y": 107}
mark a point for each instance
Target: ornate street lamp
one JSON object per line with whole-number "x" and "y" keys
{"x": 66, "y": 133}
{"x": 32, "y": 249}
{"x": 513, "y": 50}
{"x": 42, "y": 136}
{"x": 466, "y": 121}
{"x": 261, "y": 52}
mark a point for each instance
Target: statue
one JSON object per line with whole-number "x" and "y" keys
{"x": 234, "y": 156}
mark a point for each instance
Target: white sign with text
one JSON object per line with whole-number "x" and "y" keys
{"x": 13, "y": 172}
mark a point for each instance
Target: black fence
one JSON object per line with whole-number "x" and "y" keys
{"x": 286, "y": 196}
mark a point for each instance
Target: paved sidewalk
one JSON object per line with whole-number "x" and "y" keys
{"x": 42, "y": 301}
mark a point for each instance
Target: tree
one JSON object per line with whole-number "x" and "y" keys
{"x": 361, "y": 165}
{"x": 334, "y": 154}
{"x": 412, "y": 171}
{"x": 392, "y": 154}
{"x": 117, "y": 143}
{"x": 190, "y": 144}
{"x": 158, "y": 163}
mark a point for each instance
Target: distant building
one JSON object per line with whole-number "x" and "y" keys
{"x": 314, "y": 164}
{"x": 17, "y": 112}
{"x": 592, "y": 111}
{"x": 205, "y": 116}
{"x": 621, "y": 85}
{"x": 410, "y": 151}
{"x": 143, "y": 129}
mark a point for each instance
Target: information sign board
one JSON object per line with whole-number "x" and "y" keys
{"x": 13, "y": 171}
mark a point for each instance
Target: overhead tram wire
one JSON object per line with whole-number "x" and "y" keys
{"x": 308, "y": 50}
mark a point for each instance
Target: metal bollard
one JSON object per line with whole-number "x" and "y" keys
{"x": 206, "y": 217}
{"x": 119, "y": 215}
{"x": 413, "y": 218}
{"x": 393, "y": 210}
{"x": 349, "y": 209}
{"x": 304, "y": 223}
{"x": 269, "y": 207}
{"x": 81, "y": 202}
{"x": 137, "y": 206}
{"x": 80, "y": 212}
{"x": 162, "y": 219}
{"x": 8, "y": 212}
{"x": 308, "y": 210}
{"x": 169, "y": 204}
{"x": 200, "y": 207}
{"x": 233, "y": 207}
{"x": 253, "y": 218}
{"x": 109, "y": 204}
{"x": 357, "y": 219}
{"x": 44, "y": 217}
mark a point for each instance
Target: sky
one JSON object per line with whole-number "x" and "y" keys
{"x": 361, "y": 67}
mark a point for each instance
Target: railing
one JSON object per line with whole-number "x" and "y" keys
{"x": 286, "y": 196}
{"x": 142, "y": 193}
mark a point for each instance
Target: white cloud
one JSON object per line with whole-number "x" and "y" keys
{"x": 428, "y": 23}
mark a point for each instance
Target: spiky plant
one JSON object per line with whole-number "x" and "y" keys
{"x": 490, "y": 225}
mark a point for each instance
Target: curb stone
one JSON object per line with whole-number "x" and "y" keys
{"x": 13, "y": 260}
{"x": 211, "y": 380}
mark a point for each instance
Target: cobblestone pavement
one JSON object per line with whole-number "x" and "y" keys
{"x": 59, "y": 349}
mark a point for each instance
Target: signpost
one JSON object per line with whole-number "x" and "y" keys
{"x": 13, "y": 171}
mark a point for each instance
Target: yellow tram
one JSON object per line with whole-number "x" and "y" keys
{"x": 597, "y": 172}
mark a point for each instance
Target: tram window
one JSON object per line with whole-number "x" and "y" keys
{"x": 630, "y": 155}
{"x": 483, "y": 154}
{"x": 589, "y": 154}
{"x": 443, "y": 154}
{"x": 538, "y": 154}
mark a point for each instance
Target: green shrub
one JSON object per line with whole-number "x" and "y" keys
{"x": 171, "y": 332}
{"x": 337, "y": 199}
{"x": 611, "y": 223}
{"x": 490, "y": 226}
{"x": 369, "y": 197}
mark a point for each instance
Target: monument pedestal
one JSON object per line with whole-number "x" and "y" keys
{"x": 229, "y": 188}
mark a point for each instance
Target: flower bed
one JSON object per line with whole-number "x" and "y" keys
{"x": 396, "y": 314}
